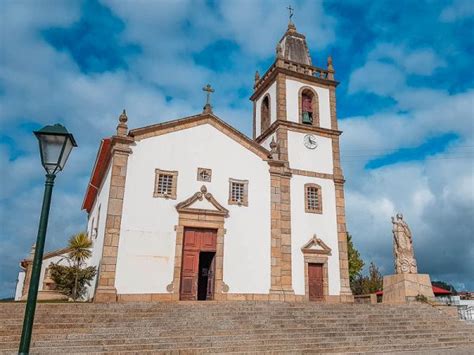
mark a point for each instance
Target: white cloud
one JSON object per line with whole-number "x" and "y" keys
{"x": 420, "y": 61}
{"x": 457, "y": 10}
{"x": 378, "y": 78}
{"x": 435, "y": 195}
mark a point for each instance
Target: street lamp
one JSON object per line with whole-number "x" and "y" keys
{"x": 55, "y": 144}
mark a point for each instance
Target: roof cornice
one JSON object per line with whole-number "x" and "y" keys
{"x": 196, "y": 120}
{"x": 292, "y": 69}
{"x": 293, "y": 126}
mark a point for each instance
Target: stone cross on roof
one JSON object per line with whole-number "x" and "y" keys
{"x": 209, "y": 90}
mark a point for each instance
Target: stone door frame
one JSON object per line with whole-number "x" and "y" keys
{"x": 316, "y": 256}
{"x": 206, "y": 219}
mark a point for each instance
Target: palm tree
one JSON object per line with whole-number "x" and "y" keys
{"x": 80, "y": 246}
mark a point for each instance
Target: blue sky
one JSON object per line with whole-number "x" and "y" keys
{"x": 405, "y": 104}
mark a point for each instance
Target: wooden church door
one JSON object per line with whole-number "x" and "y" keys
{"x": 199, "y": 245}
{"x": 315, "y": 282}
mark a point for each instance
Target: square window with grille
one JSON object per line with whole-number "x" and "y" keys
{"x": 165, "y": 184}
{"x": 238, "y": 191}
{"x": 313, "y": 198}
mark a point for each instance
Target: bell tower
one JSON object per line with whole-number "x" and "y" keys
{"x": 294, "y": 116}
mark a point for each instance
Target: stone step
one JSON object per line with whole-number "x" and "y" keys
{"x": 117, "y": 327}
{"x": 6, "y": 309}
{"x": 367, "y": 313}
{"x": 196, "y": 327}
{"x": 308, "y": 345}
{"x": 106, "y": 331}
{"x": 200, "y": 318}
{"x": 235, "y": 333}
{"x": 264, "y": 338}
{"x": 439, "y": 324}
{"x": 242, "y": 332}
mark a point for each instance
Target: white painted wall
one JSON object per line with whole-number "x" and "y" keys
{"x": 44, "y": 265}
{"x": 273, "y": 112}
{"x": 317, "y": 160}
{"x": 147, "y": 240}
{"x": 94, "y": 221}
{"x": 19, "y": 285}
{"x": 305, "y": 225}
{"x": 292, "y": 90}
{"x": 59, "y": 259}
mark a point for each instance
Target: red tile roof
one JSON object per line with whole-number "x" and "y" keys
{"x": 100, "y": 167}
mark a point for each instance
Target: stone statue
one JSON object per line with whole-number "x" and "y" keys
{"x": 405, "y": 262}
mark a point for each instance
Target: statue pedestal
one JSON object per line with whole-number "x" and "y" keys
{"x": 403, "y": 288}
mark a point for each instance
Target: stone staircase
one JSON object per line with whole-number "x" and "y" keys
{"x": 196, "y": 327}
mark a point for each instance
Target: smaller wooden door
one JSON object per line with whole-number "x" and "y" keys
{"x": 211, "y": 280}
{"x": 189, "y": 275}
{"x": 315, "y": 282}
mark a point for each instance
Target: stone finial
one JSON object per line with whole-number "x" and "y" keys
{"x": 257, "y": 76}
{"x": 122, "y": 128}
{"x": 279, "y": 51}
{"x": 32, "y": 252}
{"x": 273, "y": 149}
{"x": 330, "y": 69}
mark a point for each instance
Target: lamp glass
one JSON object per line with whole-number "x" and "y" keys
{"x": 51, "y": 150}
{"x": 68, "y": 145}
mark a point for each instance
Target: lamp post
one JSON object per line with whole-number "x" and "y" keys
{"x": 55, "y": 144}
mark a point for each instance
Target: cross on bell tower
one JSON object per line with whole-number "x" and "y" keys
{"x": 291, "y": 11}
{"x": 209, "y": 90}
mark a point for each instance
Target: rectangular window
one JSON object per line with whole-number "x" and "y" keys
{"x": 313, "y": 202}
{"x": 238, "y": 192}
{"x": 165, "y": 183}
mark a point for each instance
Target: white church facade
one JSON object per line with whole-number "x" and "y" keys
{"x": 192, "y": 209}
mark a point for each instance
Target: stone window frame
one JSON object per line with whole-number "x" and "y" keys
{"x": 174, "y": 183}
{"x": 245, "y": 201}
{"x": 318, "y": 210}
{"x": 269, "y": 121}
{"x": 314, "y": 104}
{"x": 200, "y": 170}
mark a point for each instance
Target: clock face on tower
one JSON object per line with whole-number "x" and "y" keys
{"x": 310, "y": 141}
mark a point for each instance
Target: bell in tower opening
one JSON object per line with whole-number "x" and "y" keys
{"x": 307, "y": 107}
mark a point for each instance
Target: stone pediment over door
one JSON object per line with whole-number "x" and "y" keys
{"x": 202, "y": 202}
{"x": 316, "y": 246}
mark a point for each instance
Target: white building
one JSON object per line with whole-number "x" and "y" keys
{"x": 194, "y": 209}
{"x": 46, "y": 286}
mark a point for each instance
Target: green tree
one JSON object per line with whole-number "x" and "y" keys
{"x": 374, "y": 281}
{"x": 80, "y": 246}
{"x": 73, "y": 279}
{"x": 70, "y": 280}
{"x": 355, "y": 261}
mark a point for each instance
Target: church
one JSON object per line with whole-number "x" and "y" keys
{"x": 193, "y": 209}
